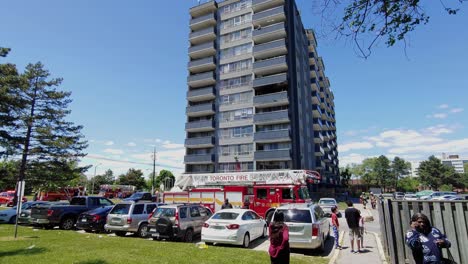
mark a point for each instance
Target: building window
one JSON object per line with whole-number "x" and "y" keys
{"x": 234, "y": 7}
{"x": 236, "y": 21}
{"x": 234, "y": 166}
{"x": 236, "y": 150}
{"x": 236, "y": 66}
{"x": 237, "y": 98}
{"x": 239, "y": 114}
{"x": 237, "y": 35}
{"x": 235, "y": 82}
{"x": 236, "y": 51}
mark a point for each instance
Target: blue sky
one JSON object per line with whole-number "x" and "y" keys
{"x": 126, "y": 65}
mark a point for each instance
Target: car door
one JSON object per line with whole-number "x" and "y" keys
{"x": 258, "y": 223}
{"x": 324, "y": 223}
{"x": 248, "y": 224}
{"x": 196, "y": 219}
{"x": 137, "y": 216}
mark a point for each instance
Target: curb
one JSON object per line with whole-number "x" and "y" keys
{"x": 383, "y": 259}
{"x": 337, "y": 252}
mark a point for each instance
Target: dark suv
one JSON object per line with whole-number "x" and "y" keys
{"x": 178, "y": 221}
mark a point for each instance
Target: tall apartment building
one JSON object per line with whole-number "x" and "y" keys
{"x": 258, "y": 97}
{"x": 455, "y": 161}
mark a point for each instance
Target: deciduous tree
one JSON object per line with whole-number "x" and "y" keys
{"x": 133, "y": 177}
{"x": 165, "y": 177}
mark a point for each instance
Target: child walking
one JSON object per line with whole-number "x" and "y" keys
{"x": 361, "y": 230}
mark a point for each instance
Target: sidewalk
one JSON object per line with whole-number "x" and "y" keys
{"x": 370, "y": 252}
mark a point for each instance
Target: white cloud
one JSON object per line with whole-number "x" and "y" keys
{"x": 456, "y": 146}
{"x": 456, "y": 110}
{"x": 439, "y": 115}
{"x": 443, "y": 106}
{"x": 113, "y": 151}
{"x": 354, "y": 145}
{"x": 353, "y": 158}
{"x": 109, "y": 143}
{"x": 439, "y": 130}
{"x": 131, "y": 144}
{"x": 173, "y": 146}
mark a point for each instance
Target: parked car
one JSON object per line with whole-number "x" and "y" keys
{"x": 139, "y": 196}
{"x": 445, "y": 197}
{"x": 398, "y": 195}
{"x": 130, "y": 216}
{"x": 433, "y": 195}
{"x": 65, "y": 216}
{"x": 25, "y": 215}
{"x": 178, "y": 221}
{"x": 93, "y": 220}
{"x": 234, "y": 226}
{"x": 410, "y": 197}
{"x": 308, "y": 226}
{"x": 9, "y": 215}
{"x": 327, "y": 204}
{"x": 7, "y": 198}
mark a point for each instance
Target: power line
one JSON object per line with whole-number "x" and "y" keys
{"x": 131, "y": 162}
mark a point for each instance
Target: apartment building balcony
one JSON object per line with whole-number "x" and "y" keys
{"x": 202, "y": 9}
{"x": 319, "y": 164}
{"x": 269, "y": 80}
{"x": 200, "y": 110}
{"x": 272, "y": 136}
{"x": 202, "y": 65}
{"x": 269, "y": 33}
{"x": 319, "y": 150}
{"x": 313, "y": 74}
{"x": 270, "y": 49}
{"x": 269, "y": 16}
{"x": 317, "y": 124}
{"x": 199, "y": 159}
{"x": 277, "y": 154}
{"x": 327, "y": 158}
{"x": 203, "y": 35}
{"x": 201, "y": 79}
{"x": 326, "y": 146}
{"x": 270, "y": 66}
{"x": 316, "y": 112}
{"x": 208, "y": 20}
{"x": 202, "y": 50}
{"x": 314, "y": 87}
{"x": 261, "y": 5}
{"x": 315, "y": 98}
{"x": 273, "y": 99}
{"x": 318, "y": 138}
{"x": 271, "y": 117}
{"x": 201, "y": 94}
{"x": 200, "y": 126}
{"x": 200, "y": 142}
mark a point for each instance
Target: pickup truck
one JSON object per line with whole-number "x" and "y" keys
{"x": 65, "y": 216}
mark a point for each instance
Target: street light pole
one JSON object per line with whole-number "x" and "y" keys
{"x": 95, "y": 167}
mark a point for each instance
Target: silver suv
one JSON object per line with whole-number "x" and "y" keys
{"x": 307, "y": 224}
{"x": 178, "y": 221}
{"x": 130, "y": 216}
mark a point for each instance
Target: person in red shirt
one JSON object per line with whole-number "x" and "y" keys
{"x": 335, "y": 227}
{"x": 279, "y": 240}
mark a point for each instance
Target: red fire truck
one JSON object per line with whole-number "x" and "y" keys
{"x": 116, "y": 191}
{"x": 64, "y": 193}
{"x": 261, "y": 191}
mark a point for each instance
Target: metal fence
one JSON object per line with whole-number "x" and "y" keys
{"x": 450, "y": 217}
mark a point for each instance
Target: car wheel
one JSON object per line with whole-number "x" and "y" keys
{"x": 265, "y": 231}
{"x": 143, "y": 230}
{"x": 322, "y": 245}
{"x": 188, "y": 236}
{"x": 67, "y": 223}
{"x": 246, "y": 242}
{"x": 12, "y": 220}
{"x": 120, "y": 233}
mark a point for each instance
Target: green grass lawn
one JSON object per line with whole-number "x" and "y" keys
{"x": 57, "y": 246}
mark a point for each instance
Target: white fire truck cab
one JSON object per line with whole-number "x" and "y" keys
{"x": 261, "y": 191}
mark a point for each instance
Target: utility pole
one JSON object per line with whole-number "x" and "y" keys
{"x": 94, "y": 177}
{"x": 154, "y": 171}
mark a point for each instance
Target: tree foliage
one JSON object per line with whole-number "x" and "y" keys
{"x": 400, "y": 169}
{"x": 133, "y": 177}
{"x": 408, "y": 184}
{"x": 106, "y": 178}
{"x": 345, "y": 176}
{"x": 166, "y": 178}
{"x": 365, "y": 22}
{"x": 434, "y": 174}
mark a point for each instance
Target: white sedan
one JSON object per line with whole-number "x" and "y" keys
{"x": 234, "y": 226}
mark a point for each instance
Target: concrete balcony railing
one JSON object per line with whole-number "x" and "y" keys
{"x": 316, "y": 111}
{"x": 271, "y": 117}
{"x": 318, "y": 138}
{"x": 277, "y": 154}
{"x": 272, "y": 136}
{"x": 201, "y": 94}
{"x": 270, "y": 49}
{"x": 202, "y": 50}
{"x": 202, "y": 65}
{"x": 270, "y": 66}
{"x": 202, "y": 9}
{"x": 200, "y": 110}
{"x": 198, "y": 23}
{"x": 319, "y": 151}
{"x": 269, "y": 16}
{"x": 200, "y": 126}
{"x": 203, "y": 35}
{"x": 269, "y": 33}
{"x": 201, "y": 79}
{"x": 261, "y": 5}
{"x": 199, "y": 159}
{"x": 271, "y": 79}
{"x": 200, "y": 142}
{"x": 317, "y": 124}
{"x": 273, "y": 99}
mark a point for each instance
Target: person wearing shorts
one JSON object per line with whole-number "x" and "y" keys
{"x": 353, "y": 216}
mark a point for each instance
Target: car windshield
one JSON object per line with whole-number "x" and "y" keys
{"x": 165, "y": 212}
{"x": 327, "y": 202}
{"x": 120, "y": 209}
{"x": 296, "y": 216}
{"x": 225, "y": 216}
{"x": 136, "y": 195}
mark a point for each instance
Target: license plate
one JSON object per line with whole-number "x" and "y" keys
{"x": 152, "y": 230}
{"x": 83, "y": 220}
{"x": 218, "y": 227}
{"x": 155, "y": 235}
{"x": 23, "y": 215}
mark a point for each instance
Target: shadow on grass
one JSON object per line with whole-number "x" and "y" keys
{"x": 32, "y": 251}
{"x": 94, "y": 261}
